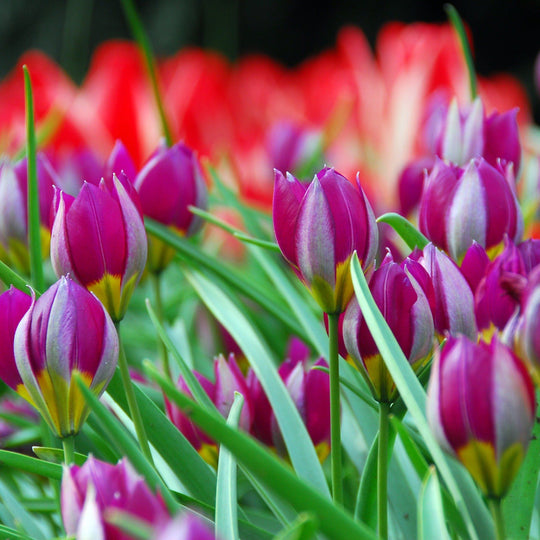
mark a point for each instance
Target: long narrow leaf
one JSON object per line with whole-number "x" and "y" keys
{"x": 30, "y": 464}
{"x": 270, "y": 470}
{"x": 226, "y": 499}
{"x": 299, "y": 445}
{"x": 467, "y": 500}
{"x": 408, "y": 232}
{"x": 431, "y": 520}
{"x": 10, "y": 277}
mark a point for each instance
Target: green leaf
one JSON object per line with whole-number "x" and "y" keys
{"x": 417, "y": 459}
{"x": 226, "y": 498}
{"x": 197, "y": 259}
{"x": 56, "y": 455}
{"x": 10, "y": 534}
{"x": 366, "y": 500}
{"x": 270, "y": 470}
{"x": 134, "y": 527}
{"x": 408, "y": 232}
{"x": 519, "y": 503}
{"x": 10, "y": 277}
{"x": 304, "y": 527}
{"x": 466, "y": 498}
{"x": 295, "y": 435}
{"x": 21, "y": 517}
{"x": 30, "y": 464}
{"x": 431, "y": 520}
{"x": 34, "y": 224}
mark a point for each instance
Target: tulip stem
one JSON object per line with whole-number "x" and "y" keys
{"x": 132, "y": 402}
{"x": 160, "y": 315}
{"x": 69, "y": 449}
{"x": 335, "y": 428}
{"x": 496, "y": 511}
{"x": 382, "y": 471}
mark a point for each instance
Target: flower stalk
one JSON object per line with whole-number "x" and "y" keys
{"x": 164, "y": 354}
{"x": 382, "y": 471}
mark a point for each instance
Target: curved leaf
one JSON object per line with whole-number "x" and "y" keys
{"x": 431, "y": 520}
{"x": 406, "y": 230}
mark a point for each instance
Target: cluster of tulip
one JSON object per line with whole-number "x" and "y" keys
{"x": 460, "y": 296}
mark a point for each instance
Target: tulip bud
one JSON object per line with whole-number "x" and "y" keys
{"x": 406, "y": 309}
{"x": 14, "y": 210}
{"x": 65, "y": 332}
{"x": 13, "y": 305}
{"x": 481, "y": 406}
{"x": 460, "y": 206}
{"x": 474, "y": 264}
{"x": 454, "y": 302}
{"x": 89, "y": 493}
{"x": 120, "y": 162}
{"x": 168, "y": 184}
{"x": 319, "y": 227}
{"x": 99, "y": 239}
{"x": 229, "y": 379}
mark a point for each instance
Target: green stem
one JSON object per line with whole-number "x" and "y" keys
{"x": 457, "y": 23}
{"x": 34, "y": 232}
{"x": 159, "y": 312}
{"x": 335, "y": 428}
{"x": 132, "y": 402}
{"x": 138, "y": 32}
{"x": 69, "y": 449}
{"x": 496, "y": 511}
{"x": 382, "y": 472}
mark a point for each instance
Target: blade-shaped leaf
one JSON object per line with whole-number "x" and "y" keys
{"x": 408, "y": 232}
{"x": 431, "y": 520}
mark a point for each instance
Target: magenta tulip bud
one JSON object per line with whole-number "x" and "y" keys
{"x": 481, "y": 407}
{"x": 13, "y": 305}
{"x": 454, "y": 301}
{"x": 65, "y": 332}
{"x": 310, "y": 392}
{"x": 460, "y": 206}
{"x": 185, "y": 526}
{"x": 406, "y": 309}
{"x": 530, "y": 253}
{"x": 120, "y": 162}
{"x": 411, "y": 183}
{"x": 168, "y": 184}
{"x": 474, "y": 264}
{"x": 92, "y": 492}
{"x": 228, "y": 380}
{"x": 99, "y": 239}
{"x": 14, "y": 210}
{"x": 319, "y": 227}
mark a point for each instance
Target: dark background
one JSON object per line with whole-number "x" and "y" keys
{"x": 506, "y": 34}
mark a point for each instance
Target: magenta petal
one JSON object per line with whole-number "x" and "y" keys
{"x": 120, "y": 161}
{"x": 502, "y": 138}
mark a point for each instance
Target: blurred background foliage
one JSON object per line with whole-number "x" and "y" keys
{"x": 506, "y": 34}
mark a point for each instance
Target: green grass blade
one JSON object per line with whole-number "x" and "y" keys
{"x": 226, "y": 498}
{"x": 467, "y": 499}
{"x": 431, "y": 519}
{"x": 174, "y": 448}
{"x": 295, "y": 435}
{"x": 29, "y": 464}
{"x": 34, "y": 225}
{"x": 408, "y": 232}
{"x": 20, "y": 516}
{"x": 10, "y": 277}
{"x": 270, "y": 470}
{"x": 304, "y": 527}
{"x": 11, "y": 534}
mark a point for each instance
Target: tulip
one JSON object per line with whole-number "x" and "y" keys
{"x": 65, "y": 332}
{"x": 405, "y": 307}
{"x": 99, "y": 239}
{"x": 481, "y": 407}
{"x": 460, "y": 206}
{"x": 13, "y": 305}
{"x": 120, "y": 162}
{"x": 474, "y": 264}
{"x": 310, "y": 391}
{"x": 90, "y": 493}
{"x": 453, "y": 309}
{"x": 319, "y": 227}
{"x": 170, "y": 182}
{"x": 228, "y": 380}
{"x": 14, "y": 210}
{"x": 185, "y": 526}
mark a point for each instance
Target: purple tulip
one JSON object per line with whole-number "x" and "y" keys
{"x": 310, "y": 391}
{"x": 91, "y": 492}
{"x": 406, "y": 309}
{"x": 14, "y": 210}
{"x": 454, "y": 302}
{"x": 460, "y": 206}
{"x": 411, "y": 183}
{"x": 481, "y": 407}
{"x": 228, "y": 380}
{"x": 13, "y": 305}
{"x": 168, "y": 184}
{"x": 318, "y": 227}
{"x": 120, "y": 162}
{"x": 66, "y": 331}
{"x": 100, "y": 240}
{"x": 474, "y": 264}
